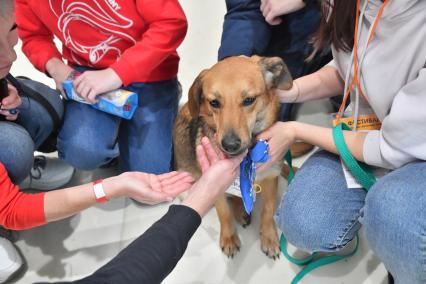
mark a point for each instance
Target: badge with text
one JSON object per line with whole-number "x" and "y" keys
{"x": 365, "y": 122}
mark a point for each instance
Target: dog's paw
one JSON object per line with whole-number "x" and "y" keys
{"x": 269, "y": 244}
{"x": 230, "y": 245}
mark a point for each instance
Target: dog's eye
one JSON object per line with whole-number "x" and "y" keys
{"x": 249, "y": 101}
{"x": 215, "y": 103}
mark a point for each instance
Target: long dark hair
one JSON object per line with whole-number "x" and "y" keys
{"x": 337, "y": 25}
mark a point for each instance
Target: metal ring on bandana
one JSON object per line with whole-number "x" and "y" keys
{"x": 257, "y": 188}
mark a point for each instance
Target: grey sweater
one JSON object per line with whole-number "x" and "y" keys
{"x": 393, "y": 78}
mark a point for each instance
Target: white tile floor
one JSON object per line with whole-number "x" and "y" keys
{"x": 75, "y": 247}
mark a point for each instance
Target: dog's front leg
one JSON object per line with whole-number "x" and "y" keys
{"x": 229, "y": 241}
{"x": 268, "y": 231}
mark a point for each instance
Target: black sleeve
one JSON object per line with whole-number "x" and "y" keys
{"x": 152, "y": 256}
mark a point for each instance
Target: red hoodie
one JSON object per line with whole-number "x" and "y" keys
{"x": 136, "y": 38}
{"x": 19, "y": 210}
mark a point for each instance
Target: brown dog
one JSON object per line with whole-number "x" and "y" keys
{"x": 231, "y": 103}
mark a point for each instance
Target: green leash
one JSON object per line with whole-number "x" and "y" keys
{"x": 364, "y": 176}
{"x": 361, "y": 172}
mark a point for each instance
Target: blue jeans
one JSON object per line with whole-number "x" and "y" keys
{"x": 319, "y": 213}
{"x": 19, "y": 139}
{"x": 90, "y": 138}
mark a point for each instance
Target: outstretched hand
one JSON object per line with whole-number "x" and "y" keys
{"x": 154, "y": 189}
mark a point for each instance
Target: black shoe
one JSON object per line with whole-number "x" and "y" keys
{"x": 390, "y": 278}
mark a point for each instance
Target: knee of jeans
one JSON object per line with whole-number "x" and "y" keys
{"x": 381, "y": 211}
{"x": 309, "y": 232}
{"x": 18, "y": 157}
{"x": 83, "y": 156}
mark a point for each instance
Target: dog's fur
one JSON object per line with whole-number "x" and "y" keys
{"x": 220, "y": 106}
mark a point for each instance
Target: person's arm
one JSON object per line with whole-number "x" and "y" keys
{"x": 401, "y": 139}
{"x": 20, "y": 210}
{"x": 323, "y": 83}
{"x": 245, "y": 31}
{"x": 151, "y": 257}
{"x": 283, "y": 134}
{"x": 167, "y": 28}
{"x": 37, "y": 39}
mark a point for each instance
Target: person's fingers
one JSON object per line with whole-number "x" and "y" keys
{"x": 13, "y": 100}
{"x": 276, "y": 21}
{"x": 91, "y": 97}
{"x": 154, "y": 182}
{"x": 153, "y": 197}
{"x": 5, "y": 113}
{"x": 270, "y": 17}
{"x": 174, "y": 179}
{"x": 262, "y": 5}
{"x": 265, "y": 135}
{"x": 165, "y": 176}
{"x": 177, "y": 189}
{"x": 210, "y": 151}
{"x": 77, "y": 82}
{"x": 84, "y": 92}
{"x": 12, "y": 117}
{"x": 266, "y": 10}
{"x": 78, "y": 87}
{"x": 202, "y": 159}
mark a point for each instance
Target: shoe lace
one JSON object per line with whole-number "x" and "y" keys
{"x": 38, "y": 166}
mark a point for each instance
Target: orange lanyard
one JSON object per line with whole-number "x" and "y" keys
{"x": 355, "y": 79}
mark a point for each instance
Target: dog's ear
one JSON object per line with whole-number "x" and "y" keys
{"x": 275, "y": 73}
{"x": 195, "y": 95}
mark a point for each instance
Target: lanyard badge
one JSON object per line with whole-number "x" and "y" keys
{"x": 370, "y": 121}
{"x": 257, "y": 154}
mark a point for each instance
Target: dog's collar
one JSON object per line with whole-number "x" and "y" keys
{"x": 257, "y": 154}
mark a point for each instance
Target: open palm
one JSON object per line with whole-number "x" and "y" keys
{"x": 153, "y": 189}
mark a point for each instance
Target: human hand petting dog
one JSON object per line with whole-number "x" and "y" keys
{"x": 273, "y": 9}
{"x": 280, "y": 137}
{"x": 13, "y": 100}
{"x": 90, "y": 84}
{"x": 218, "y": 174}
{"x": 149, "y": 188}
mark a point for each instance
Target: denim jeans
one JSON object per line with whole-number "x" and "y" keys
{"x": 319, "y": 213}
{"x": 90, "y": 138}
{"x": 19, "y": 139}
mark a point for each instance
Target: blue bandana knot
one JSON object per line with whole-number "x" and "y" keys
{"x": 257, "y": 154}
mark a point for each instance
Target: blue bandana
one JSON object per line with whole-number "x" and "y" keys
{"x": 257, "y": 154}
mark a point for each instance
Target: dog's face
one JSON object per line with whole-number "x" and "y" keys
{"x": 236, "y": 98}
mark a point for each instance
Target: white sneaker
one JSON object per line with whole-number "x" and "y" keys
{"x": 10, "y": 260}
{"x": 48, "y": 174}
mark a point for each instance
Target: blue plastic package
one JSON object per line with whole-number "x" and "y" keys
{"x": 119, "y": 102}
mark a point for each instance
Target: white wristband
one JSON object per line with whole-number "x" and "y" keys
{"x": 99, "y": 191}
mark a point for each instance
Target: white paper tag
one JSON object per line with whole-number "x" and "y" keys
{"x": 234, "y": 189}
{"x": 351, "y": 181}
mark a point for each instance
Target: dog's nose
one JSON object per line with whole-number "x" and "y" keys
{"x": 231, "y": 143}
